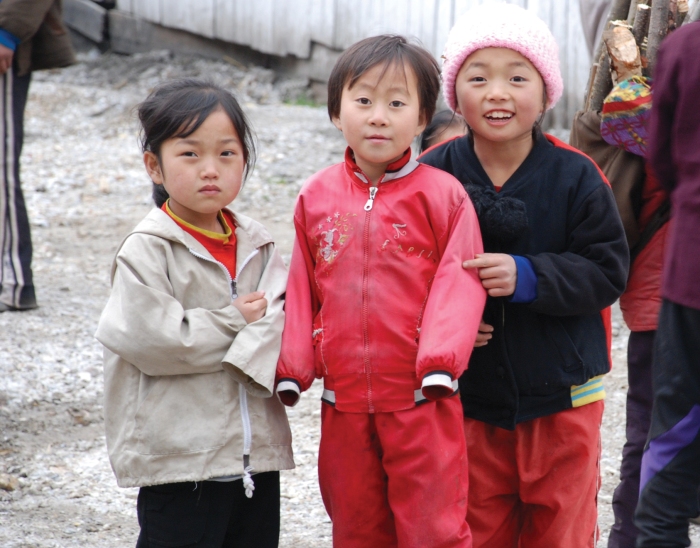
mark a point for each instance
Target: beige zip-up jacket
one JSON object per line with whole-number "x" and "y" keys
{"x": 188, "y": 383}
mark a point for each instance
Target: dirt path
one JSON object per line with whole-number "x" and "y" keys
{"x": 86, "y": 188}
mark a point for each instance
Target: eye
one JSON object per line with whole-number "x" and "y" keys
{"x": 396, "y": 104}
{"x": 364, "y": 101}
{"x": 519, "y": 79}
{"x": 189, "y": 154}
{"x": 228, "y": 153}
{"x": 477, "y": 79}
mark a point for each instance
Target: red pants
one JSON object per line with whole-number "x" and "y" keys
{"x": 396, "y": 479}
{"x": 535, "y": 487}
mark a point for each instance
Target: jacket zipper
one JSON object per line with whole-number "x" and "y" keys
{"x": 365, "y": 296}
{"x": 242, "y": 394}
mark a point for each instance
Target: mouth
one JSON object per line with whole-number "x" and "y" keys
{"x": 209, "y": 189}
{"x": 499, "y": 116}
{"x": 377, "y": 138}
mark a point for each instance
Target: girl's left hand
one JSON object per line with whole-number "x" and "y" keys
{"x": 252, "y": 306}
{"x": 497, "y": 271}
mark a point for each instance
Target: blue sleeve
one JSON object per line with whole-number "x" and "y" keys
{"x": 8, "y": 39}
{"x": 526, "y": 285}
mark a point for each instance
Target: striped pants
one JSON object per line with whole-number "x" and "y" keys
{"x": 16, "y": 284}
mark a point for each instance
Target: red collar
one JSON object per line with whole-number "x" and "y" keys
{"x": 401, "y": 167}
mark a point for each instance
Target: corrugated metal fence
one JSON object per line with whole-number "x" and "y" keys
{"x": 290, "y": 27}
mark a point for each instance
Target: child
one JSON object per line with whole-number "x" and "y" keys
{"x": 445, "y": 125}
{"x": 192, "y": 332}
{"x": 379, "y": 306}
{"x": 555, "y": 257}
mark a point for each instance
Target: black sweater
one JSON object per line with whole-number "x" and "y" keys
{"x": 557, "y": 211}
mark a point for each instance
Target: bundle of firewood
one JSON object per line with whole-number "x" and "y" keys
{"x": 631, "y": 39}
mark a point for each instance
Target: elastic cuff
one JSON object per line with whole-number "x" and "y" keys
{"x": 526, "y": 283}
{"x": 437, "y": 385}
{"x": 288, "y": 392}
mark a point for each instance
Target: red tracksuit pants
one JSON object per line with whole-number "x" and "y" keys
{"x": 396, "y": 479}
{"x": 537, "y": 486}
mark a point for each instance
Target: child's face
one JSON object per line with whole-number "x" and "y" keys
{"x": 380, "y": 116}
{"x": 500, "y": 94}
{"x": 202, "y": 172}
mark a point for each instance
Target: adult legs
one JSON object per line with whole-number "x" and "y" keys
{"x": 16, "y": 281}
{"x": 670, "y": 473}
{"x": 639, "y": 401}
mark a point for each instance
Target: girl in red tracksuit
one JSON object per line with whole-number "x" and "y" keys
{"x": 379, "y": 306}
{"x": 556, "y": 256}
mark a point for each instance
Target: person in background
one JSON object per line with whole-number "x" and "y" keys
{"x": 32, "y": 37}
{"x": 670, "y": 473}
{"x": 556, "y": 259}
{"x": 444, "y": 126}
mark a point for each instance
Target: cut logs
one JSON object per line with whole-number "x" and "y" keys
{"x": 625, "y": 60}
{"x": 658, "y": 28}
{"x": 641, "y": 24}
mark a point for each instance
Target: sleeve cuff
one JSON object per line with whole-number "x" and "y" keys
{"x": 288, "y": 392}
{"x": 526, "y": 284}
{"x": 8, "y": 39}
{"x": 437, "y": 385}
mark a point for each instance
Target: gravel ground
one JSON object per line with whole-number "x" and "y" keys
{"x": 86, "y": 188}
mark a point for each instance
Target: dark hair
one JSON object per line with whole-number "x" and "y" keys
{"x": 437, "y": 126}
{"x": 388, "y": 50}
{"x": 177, "y": 109}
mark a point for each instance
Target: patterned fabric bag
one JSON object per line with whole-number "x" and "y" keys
{"x": 626, "y": 111}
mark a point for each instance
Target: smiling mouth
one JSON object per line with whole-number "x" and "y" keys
{"x": 499, "y": 116}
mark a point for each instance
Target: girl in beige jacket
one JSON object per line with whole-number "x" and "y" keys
{"x": 192, "y": 335}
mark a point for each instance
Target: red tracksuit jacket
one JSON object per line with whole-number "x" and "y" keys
{"x": 377, "y": 297}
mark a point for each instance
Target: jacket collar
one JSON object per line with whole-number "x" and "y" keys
{"x": 400, "y": 168}
{"x": 250, "y": 235}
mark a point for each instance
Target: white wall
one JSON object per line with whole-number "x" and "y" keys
{"x": 288, "y": 27}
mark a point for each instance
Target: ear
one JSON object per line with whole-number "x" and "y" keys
{"x": 150, "y": 160}
{"x": 336, "y": 122}
{"x": 421, "y": 125}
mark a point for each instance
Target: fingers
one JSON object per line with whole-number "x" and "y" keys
{"x": 254, "y": 296}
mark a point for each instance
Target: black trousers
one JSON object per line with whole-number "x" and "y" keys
{"x": 210, "y": 514}
{"x": 16, "y": 283}
{"x": 640, "y": 351}
{"x": 670, "y": 473}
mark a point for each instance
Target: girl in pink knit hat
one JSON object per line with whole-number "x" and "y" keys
{"x": 555, "y": 259}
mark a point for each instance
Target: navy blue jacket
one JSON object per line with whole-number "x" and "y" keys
{"x": 558, "y": 212}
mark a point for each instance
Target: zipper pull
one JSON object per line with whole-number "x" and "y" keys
{"x": 234, "y": 292}
{"x": 372, "y": 193}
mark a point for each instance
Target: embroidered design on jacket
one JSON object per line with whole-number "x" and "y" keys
{"x": 333, "y": 233}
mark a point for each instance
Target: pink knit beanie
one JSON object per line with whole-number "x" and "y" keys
{"x": 502, "y": 26}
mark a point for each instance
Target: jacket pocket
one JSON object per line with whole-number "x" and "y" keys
{"x": 181, "y": 414}
{"x": 570, "y": 358}
{"x": 317, "y": 337}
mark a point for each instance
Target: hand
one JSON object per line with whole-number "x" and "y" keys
{"x": 497, "y": 271}
{"x": 252, "y": 306}
{"x": 484, "y": 335}
{"x": 6, "y": 55}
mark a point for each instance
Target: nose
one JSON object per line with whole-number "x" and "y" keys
{"x": 378, "y": 116}
{"x": 497, "y": 91}
{"x": 209, "y": 170}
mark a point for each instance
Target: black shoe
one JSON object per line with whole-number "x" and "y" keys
{"x": 9, "y": 308}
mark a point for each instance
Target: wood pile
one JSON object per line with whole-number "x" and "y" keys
{"x": 631, "y": 40}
